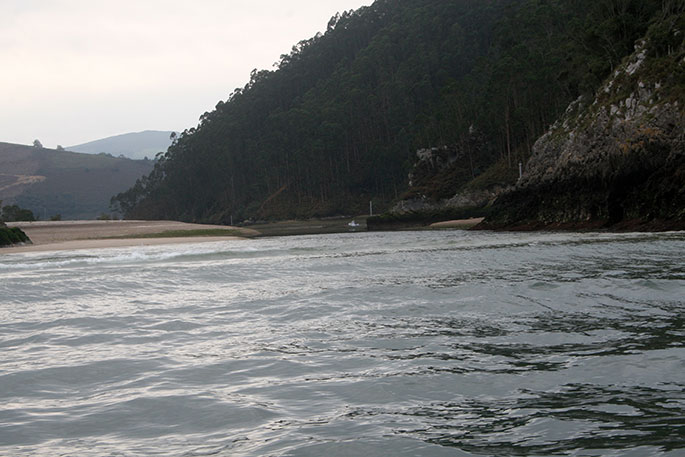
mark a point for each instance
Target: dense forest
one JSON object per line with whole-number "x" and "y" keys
{"x": 338, "y": 121}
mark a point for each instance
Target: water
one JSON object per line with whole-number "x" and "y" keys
{"x": 371, "y": 344}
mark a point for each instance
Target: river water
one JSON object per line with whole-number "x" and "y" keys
{"x": 363, "y": 344}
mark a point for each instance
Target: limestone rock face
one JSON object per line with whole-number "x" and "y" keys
{"x": 615, "y": 160}
{"x": 440, "y": 171}
{"x": 464, "y": 199}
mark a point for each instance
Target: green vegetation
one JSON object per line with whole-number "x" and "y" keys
{"x": 13, "y": 213}
{"x": 338, "y": 122}
{"x": 666, "y": 53}
{"x": 309, "y": 226}
{"x": 10, "y": 236}
{"x": 498, "y": 174}
{"x": 623, "y": 171}
{"x": 185, "y": 233}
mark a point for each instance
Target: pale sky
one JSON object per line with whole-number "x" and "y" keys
{"x": 73, "y": 71}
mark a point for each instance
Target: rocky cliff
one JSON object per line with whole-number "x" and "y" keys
{"x": 616, "y": 160}
{"x": 440, "y": 176}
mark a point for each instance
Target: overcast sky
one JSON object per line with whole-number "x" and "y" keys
{"x": 73, "y": 71}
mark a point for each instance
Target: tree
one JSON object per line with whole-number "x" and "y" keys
{"x": 60, "y": 147}
{"x": 37, "y": 144}
{"x": 13, "y": 213}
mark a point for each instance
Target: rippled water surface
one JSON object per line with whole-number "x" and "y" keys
{"x": 369, "y": 344}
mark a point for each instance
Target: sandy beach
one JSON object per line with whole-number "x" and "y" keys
{"x": 459, "y": 223}
{"x": 68, "y": 235}
{"x": 92, "y": 234}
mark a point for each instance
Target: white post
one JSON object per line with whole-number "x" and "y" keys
{"x": 520, "y": 170}
{"x": 370, "y": 207}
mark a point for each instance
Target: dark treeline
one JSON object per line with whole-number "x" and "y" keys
{"x": 337, "y": 123}
{"x": 14, "y": 213}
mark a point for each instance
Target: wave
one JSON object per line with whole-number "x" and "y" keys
{"x": 119, "y": 256}
{"x": 314, "y": 246}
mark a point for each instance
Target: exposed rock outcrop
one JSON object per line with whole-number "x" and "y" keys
{"x": 468, "y": 198}
{"x": 439, "y": 172}
{"x": 617, "y": 160}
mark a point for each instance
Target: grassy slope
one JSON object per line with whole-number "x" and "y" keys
{"x": 187, "y": 233}
{"x": 75, "y": 185}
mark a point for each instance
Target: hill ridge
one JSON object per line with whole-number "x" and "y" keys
{"x": 134, "y": 145}
{"x": 72, "y": 184}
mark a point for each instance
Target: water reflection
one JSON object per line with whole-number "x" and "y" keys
{"x": 579, "y": 416}
{"x": 401, "y": 344}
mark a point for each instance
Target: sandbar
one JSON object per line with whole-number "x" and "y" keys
{"x": 68, "y": 235}
{"x": 458, "y": 223}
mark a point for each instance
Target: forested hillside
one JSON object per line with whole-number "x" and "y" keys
{"x": 337, "y": 123}
{"x": 615, "y": 160}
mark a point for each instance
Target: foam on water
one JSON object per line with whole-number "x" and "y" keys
{"x": 128, "y": 255}
{"x": 413, "y": 343}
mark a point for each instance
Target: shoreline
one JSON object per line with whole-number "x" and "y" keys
{"x": 457, "y": 223}
{"x": 112, "y": 243}
{"x": 596, "y": 225}
{"x": 74, "y": 235}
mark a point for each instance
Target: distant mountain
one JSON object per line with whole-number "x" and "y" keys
{"x": 74, "y": 185}
{"x": 136, "y": 145}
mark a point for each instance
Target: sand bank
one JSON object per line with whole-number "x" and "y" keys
{"x": 459, "y": 223}
{"x": 112, "y": 243}
{"x": 67, "y": 235}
